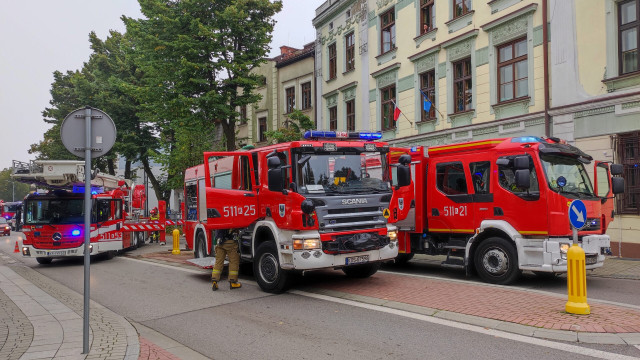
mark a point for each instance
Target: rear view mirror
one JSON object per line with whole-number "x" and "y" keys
{"x": 523, "y": 180}
{"x": 521, "y": 162}
{"x": 404, "y": 175}
{"x": 616, "y": 169}
{"x": 617, "y": 185}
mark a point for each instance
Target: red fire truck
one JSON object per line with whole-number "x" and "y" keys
{"x": 320, "y": 203}
{"x": 501, "y": 206}
{"x": 53, "y": 221}
{"x": 8, "y": 211}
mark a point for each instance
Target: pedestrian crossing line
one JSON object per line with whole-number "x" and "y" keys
{"x": 491, "y": 332}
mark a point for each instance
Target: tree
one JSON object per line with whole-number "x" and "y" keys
{"x": 296, "y": 123}
{"x": 11, "y": 190}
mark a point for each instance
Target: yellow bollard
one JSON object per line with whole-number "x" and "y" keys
{"x": 576, "y": 282}
{"x": 176, "y": 243}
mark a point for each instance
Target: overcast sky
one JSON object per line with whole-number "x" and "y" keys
{"x": 38, "y": 37}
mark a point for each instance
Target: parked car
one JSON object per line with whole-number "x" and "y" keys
{"x": 5, "y": 228}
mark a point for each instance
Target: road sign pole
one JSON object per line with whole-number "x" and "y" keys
{"x": 87, "y": 227}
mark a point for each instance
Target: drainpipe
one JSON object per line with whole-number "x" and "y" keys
{"x": 545, "y": 56}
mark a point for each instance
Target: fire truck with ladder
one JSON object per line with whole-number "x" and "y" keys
{"x": 53, "y": 220}
{"x": 500, "y": 206}
{"x": 319, "y": 203}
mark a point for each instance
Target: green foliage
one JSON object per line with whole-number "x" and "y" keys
{"x": 9, "y": 188}
{"x": 295, "y": 125}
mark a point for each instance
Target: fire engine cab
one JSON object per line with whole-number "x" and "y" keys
{"x": 53, "y": 220}
{"x": 321, "y": 203}
{"x": 501, "y": 206}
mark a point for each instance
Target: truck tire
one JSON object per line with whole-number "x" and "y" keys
{"x": 200, "y": 250}
{"x": 403, "y": 259}
{"x": 361, "y": 271}
{"x": 44, "y": 261}
{"x": 496, "y": 261}
{"x": 266, "y": 267}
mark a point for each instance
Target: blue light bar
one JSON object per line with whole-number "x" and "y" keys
{"x": 75, "y": 232}
{"x": 527, "y": 139}
{"x": 312, "y": 134}
{"x": 79, "y": 189}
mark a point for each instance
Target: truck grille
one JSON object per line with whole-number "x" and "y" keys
{"x": 355, "y": 243}
{"x": 347, "y": 219}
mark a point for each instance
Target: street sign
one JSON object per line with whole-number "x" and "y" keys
{"x": 577, "y": 214}
{"x": 103, "y": 132}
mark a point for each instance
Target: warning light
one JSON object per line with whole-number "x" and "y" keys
{"x": 75, "y": 232}
{"x": 312, "y": 134}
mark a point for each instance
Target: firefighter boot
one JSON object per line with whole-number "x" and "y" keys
{"x": 214, "y": 285}
{"x": 234, "y": 284}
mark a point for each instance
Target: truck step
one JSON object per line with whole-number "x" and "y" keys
{"x": 455, "y": 263}
{"x": 455, "y": 247}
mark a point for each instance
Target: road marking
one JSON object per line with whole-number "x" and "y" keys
{"x": 491, "y": 332}
{"x": 637, "y": 346}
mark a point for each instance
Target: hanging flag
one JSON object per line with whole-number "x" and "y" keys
{"x": 396, "y": 112}
{"x": 426, "y": 105}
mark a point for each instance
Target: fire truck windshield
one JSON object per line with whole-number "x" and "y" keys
{"x": 566, "y": 175}
{"x": 54, "y": 211}
{"x": 348, "y": 173}
{"x": 11, "y": 208}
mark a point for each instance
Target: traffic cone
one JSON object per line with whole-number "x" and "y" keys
{"x": 16, "y": 249}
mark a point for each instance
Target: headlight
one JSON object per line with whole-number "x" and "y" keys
{"x": 393, "y": 235}
{"x": 306, "y": 244}
{"x": 564, "y": 248}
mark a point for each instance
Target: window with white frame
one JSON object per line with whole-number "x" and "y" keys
{"x": 388, "y": 31}
{"x": 350, "y": 51}
{"x": 628, "y": 28}
{"x": 291, "y": 99}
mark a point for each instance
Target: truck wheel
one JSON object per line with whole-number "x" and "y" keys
{"x": 496, "y": 261}
{"x": 403, "y": 259}
{"x": 44, "y": 261}
{"x": 200, "y": 250}
{"x": 361, "y": 271}
{"x": 266, "y": 267}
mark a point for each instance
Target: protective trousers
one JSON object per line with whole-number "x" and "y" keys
{"x": 227, "y": 247}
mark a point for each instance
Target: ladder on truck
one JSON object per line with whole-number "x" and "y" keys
{"x": 59, "y": 174}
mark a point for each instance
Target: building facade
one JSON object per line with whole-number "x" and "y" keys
{"x": 487, "y": 72}
{"x": 288, "y": 84}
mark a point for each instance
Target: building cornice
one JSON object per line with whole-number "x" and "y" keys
{"x": 386, "y": 69}
{"x": 424, "y": 53}
{"x": 503, "y": 19}
{"x": 594, "y": 103}
{"x": 461, "y": 37}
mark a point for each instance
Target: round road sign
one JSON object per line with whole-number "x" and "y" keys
{"x": 103, "y": 132}
{"x": 577, "y": 214}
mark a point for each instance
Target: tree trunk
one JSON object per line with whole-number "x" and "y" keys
{"x": 111, "y": 167}
{"x": 229, "y": 130}
{"x": 160, "y": 195}
{"x": 127, "y": 169}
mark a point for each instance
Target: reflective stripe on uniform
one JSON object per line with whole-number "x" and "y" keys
{"x": 217, "y": 271}
{"x": 233, "y": 273}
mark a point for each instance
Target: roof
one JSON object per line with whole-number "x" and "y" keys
{"x": 291, "y": 55}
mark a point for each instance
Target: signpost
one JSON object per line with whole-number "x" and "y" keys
{"x": 576, "y": 267}
{"x": 90, "y": 138}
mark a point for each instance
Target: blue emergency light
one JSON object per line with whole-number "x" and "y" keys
{"x": 527, "y": 139}
{"x": 79, "y": 189}
{"x": 75, "y": 232}
{"x": 312, "y": 134}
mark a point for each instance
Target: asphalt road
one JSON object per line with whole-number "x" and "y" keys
{"x": 248, "y": 323}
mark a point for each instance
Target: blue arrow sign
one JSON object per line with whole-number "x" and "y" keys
{"x": 577, "y": 214}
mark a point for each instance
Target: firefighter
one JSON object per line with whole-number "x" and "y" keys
{"x": 226, "y": 245}
{"x": 154, "y": 216}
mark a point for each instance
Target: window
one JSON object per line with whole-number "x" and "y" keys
{"x": 507, "y": 179}
{"x": 628, "y": 27}
{"x": 306, "y": 95}
{"x": 332, "y": 61}
{"x": 333, "y": 118}
{"x": 291, "y": 99}
{"x": 512, "y": 70}
{"x": 243, "y": 114}
{"x": 428, "y": 86}
{"x": 461, "y": 7}
{"x": 462, "y": 85}
{"x": 480, "y": 176}
{"x": 450, "y": 178}
{"x": 427, "y": 16}
{"x": 388, "y": 31}
{"x": 262, "y": 128}
{"x": 388, "y": 96}
{"x": 629, "y": 157}
{"x": 350, "y": 51}
{"x": 351, "y": 115}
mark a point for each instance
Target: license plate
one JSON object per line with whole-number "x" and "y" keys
{"x": 589, "y": 260}
{"x": 56, "y": 253}
{"x": 357, "y": 260}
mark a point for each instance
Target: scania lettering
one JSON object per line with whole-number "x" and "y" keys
{"x": 297, "y": 206}
{"x": 501, "y": 206}
{"x": 53, "y": 221}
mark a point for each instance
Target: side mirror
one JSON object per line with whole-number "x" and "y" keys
{"x": 521, "y": 162}
{"x": 405, "y": 159}
{"x": 522, "y": 178}
{"x": 275, "y": 180}
{"x": 617, "y": 185}
{"x": 404, "y": 175}
{"x": 616, "y": 169}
